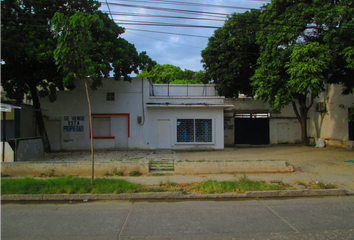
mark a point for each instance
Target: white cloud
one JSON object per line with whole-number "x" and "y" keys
{"x": 174, "y": 39}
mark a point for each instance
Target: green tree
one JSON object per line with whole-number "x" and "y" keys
{"x": 203, "y": 76}
{"x": 162, "y": 73}
{"x": 168, "y": 73}
{"x": 27, "y": 47}
{"x": 231, "y": 55}
{"x": 28, "y": 51}
{"x": 186, "y": 81}
{"x": 303, "y": 45}
{"x": 88, "y": 46}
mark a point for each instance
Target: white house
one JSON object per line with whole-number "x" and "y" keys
{"x": 136, "y": 114}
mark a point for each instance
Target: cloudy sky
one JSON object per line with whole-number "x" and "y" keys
{"x": 143, "y": 19}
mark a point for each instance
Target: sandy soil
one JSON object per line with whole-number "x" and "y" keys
{"x": 317, "y": 160}
{"x": 108, "y": 156}
{"x": 310, "y": 163}
{"x": 304, "y": 159}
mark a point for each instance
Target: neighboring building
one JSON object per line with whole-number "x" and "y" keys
{"x": 330, "y": 122}
{"x": 20, "y": 123}
{"x": 136, "y": 114}
{"x": 250, "y": 121}
{"x": 19, "y": 133}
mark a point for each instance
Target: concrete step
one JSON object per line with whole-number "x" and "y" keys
{"x": 155, "y": 161}
{"x": 161, "y": 168}
{"x": 161, "y": 164}
{"x": 161, "y": 172}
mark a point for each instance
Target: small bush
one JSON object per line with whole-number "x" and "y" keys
{"x": 115, "y": 172}
{"x": 118, "y": 173}
{"x": 49, "y": 173}
{"x": 135, "y": 173}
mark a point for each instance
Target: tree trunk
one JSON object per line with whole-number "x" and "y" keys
{"x": 304, "y": 138}
{"x": 39, "y": 119}
{"x": 302, "y": 118}
{"x": 91, "y": 133}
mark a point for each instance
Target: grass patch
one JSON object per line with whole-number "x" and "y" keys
{"x": 241, "y": 185}
{"x": 316, "y": 184}
{"x": 170, "y": 186}
{"x": 78, "y": 185}
{"x": 69, "y": 185}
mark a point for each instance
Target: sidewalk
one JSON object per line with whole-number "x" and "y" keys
{"x": 310, "y": 163}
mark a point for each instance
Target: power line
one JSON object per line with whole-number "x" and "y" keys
{"x": 186, "y": 3}
{"x": 170, "y": 9}
{"x": 157, "y": 24}
{"x": 109, "y": 9}
{"x": 167, "y": 41}
{"x": 165, "y": 16}
{"x": 166, "y": 25}
{"x": 215, "y": 50}
{"x": 182, "y": 34}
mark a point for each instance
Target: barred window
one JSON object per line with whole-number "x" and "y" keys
{"x": 194, "y": 130}
{"x": 110, "y": 96}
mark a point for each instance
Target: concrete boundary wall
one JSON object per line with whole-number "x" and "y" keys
{"x": 31, "y": 169}
{"x": 262, "y": 166}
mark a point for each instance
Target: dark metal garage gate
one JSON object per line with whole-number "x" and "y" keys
{"x": 251, "y": 129}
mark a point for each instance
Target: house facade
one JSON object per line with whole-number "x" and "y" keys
{"x": 136, "y": 115}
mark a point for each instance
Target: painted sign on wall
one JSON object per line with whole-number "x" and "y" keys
{"x": 74, "y": 124}
{"x": 228, "y": 125}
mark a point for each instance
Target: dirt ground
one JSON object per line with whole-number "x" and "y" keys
{"x": 310, "y": 163}
{"x": 310, "y": 159}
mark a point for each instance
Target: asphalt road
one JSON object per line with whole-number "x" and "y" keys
{"x": 305, "y": 218}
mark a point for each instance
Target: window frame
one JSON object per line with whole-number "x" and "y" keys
{"x": 193, "y": 143}
{"x": 110, "y": 128}
{"x": 110, "y": 96}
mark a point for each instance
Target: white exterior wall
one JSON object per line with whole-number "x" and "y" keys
{"x": 331, "y": 125}
{"x": 284, "y": 127}
{"x": 174, "y": 113}
{"x": 129, "y": 99}
{"x": 284, "y": 131}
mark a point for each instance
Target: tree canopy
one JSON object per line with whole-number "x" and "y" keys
{"x": 303, "y": 45}
{"x": 231, "y": 55}
{"x": 28, "y": 47}
{"x": 168, "y": 73}
{"x": 284, "y": 53}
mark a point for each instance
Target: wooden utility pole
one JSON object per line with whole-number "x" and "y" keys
{"x": 91, "y": 133}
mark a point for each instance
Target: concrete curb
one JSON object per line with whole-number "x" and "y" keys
{"x": 175, "y": 195}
